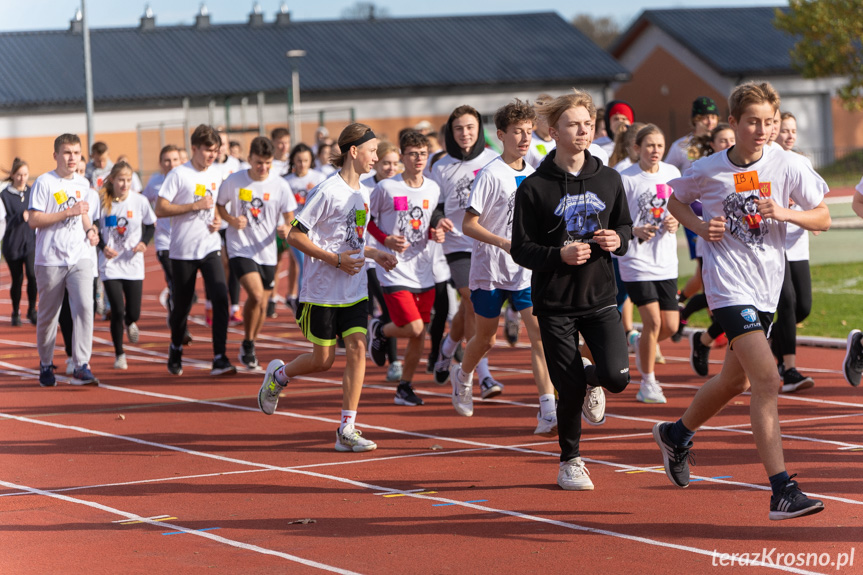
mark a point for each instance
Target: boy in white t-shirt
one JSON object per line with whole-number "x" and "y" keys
{"x": 852, "y": 366}
{"x": 59, "y": 211}
{"x": 402, "y": 207}
{"x": 188, "y": 198}
{"x": 494, "y": 276}
{"x": 745, "y": 192}
{"x": 331, "y": 230}
{"x": 261, "y": 204}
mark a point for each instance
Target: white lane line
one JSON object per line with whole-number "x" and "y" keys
{"x": 162, "y": 525}
{"x": 355, "y": 483}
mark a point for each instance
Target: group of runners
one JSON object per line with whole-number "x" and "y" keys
{"x": 545, "y": 232}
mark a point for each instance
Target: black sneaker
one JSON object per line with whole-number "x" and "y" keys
{"x": 271, "y": 309}
{"x": 378, "y": 345}
{"x": 247, "y": 355}
{"x": 676, "y": 459}
{"x": 430, "y": 363}
{"x": 853, "y": 364}
{"x": 175, "y": 361}
{"x": 405, "y": 395}
{"x": 16, "y": 319}
{"x": 187, "y": 338}
{"x": 792, "y": 503}
{"x": 678, "y": 335}
{"x": 793, "y": 380}
{"x": 441, "y": 368}
{"x": 221, "y": 366}
{"x": 46, "y": 375}
{"x": 699, "y": 354}
{"x": 31, "y": 315}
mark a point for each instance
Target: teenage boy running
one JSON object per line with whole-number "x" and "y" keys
{"x": 744, "y": 192}
{"x": 455, "y": 173}
{"x": 258, "y": 198}
{"x": 59, "y": 211}
{"x": 402, "y": 207}
{"x": 331, "y": 230}
{"x": 570, "y": 215}
{"x": 188, "y": 197}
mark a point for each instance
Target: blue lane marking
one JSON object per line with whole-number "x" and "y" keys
{"x": 717, "y": 477}
{"x": 446, "y": 504}
{"x": 181, "y": 532}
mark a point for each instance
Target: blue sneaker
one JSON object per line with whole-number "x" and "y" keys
{"x": 84, "y": 376}
{"x": 46, "y": 375}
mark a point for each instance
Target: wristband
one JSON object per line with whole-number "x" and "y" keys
{"x": 339, "y": 264}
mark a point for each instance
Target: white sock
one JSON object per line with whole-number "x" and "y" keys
{"x": 648, "y": 378}
{"x": 464, "y": 377}
{"x": 546, "y": 404}
{"x": 448, "y": 346}
{"x": 281, "y": 377}
{"x": 348, "y": 419}
{"x": 234, "y": 309}
{"x": 482, "y": 369}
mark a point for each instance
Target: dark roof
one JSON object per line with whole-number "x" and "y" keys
{"x": 733, "y": 41}
{"x": 171, "y": 62}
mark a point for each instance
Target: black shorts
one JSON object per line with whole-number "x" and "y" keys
{"x": 459, "y": 268}
{"x": 738, "y": 320}
{"x": 242, "y": 266}
{"x": 320, "y": 323}
{"x": 662, "y": 291}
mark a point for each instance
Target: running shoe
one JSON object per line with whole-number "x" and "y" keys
{"x": 650, "y": 392}
{"x": 631, "y": 337}
{"x": 574, "y": 476}
{"x": 699, "y": 354}
{"x": 511, "y": 325}
{"x": 32, "y": 316}
{"x": 247, "y": 355}
{"x": 70, "y": 366}
{"x": 268, "y": 395}
{"x": 442, "y": 368}
{"x": 46, "y": 375}
{"x": 675, "y": 458}
{"x": 791, "y": 503}
{"x": 351, "y": 439}
{"x": 133, "y": 332}
{"x": 379, "y": 342}
{"x": 120, "y": 362}
{"x": 462, "y": 393}
{"x": 405, "y": 395}
{"x": 793, "y": 380}
{"x": 271, "y": 309}
{"x": 853, "y": 364}
{"x": 394, "y": 371}
{"x": 236, "y": 319}
{"x": 660, "y": 359}
{"x": 593, "y": 408}
{"x": 546, "y": 426}
{"x": 222, "y": 366}
{"x": 16, "y": 320}
{"x": 490, "y": 387}
{"x": 175, "y": 361}
{"x": 636, "y": 343}
{"x": 83, "y": 376}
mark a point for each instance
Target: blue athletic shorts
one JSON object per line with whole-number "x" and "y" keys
{"x": 489, "y": 303}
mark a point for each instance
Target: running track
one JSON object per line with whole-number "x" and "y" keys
{"x": 151, "y": 473}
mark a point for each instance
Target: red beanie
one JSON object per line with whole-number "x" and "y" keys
{"x": 622, "y": 108}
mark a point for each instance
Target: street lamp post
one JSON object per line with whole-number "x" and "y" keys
{"x": 294, "y": 95}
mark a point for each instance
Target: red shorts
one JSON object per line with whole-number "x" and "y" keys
{"x": 405, "y": 307}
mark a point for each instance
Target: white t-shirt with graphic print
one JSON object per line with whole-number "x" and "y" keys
{"x": 191, "y": 238}
{"x": 63, "y": 243}
{"x": 493, "y": 198}
{"x": 263, "y": 204}
{"x": 336, "y": 217}
{"x": 679, "y": 155}
{"x": 747, "y": 266}
{"x": 647, "y": 195}
{"x": 121, "y": 230}
{"x": 455, "y": 179}
{"x": 301, "y": 186}
{"x": 401, "y": 210}
{"x": 796, "y": 238}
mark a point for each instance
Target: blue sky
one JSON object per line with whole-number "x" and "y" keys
{"x": 56, "y": 14}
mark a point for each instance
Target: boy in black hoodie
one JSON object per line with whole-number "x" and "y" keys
{"x": 569, "y": 216}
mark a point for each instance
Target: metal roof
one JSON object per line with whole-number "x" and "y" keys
{"x": 170, "y": 62}
{"x": 733, "y": 41}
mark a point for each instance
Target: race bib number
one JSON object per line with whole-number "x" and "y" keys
{"x": 200, "y": 190}
{"x": 746, "y": 182}
{"x": 400, "y": 203}
{"x": 60, "y": 197}
{"x": 245, "y": 195}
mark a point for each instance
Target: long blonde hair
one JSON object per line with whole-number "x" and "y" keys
{"x": 106, "y": 194}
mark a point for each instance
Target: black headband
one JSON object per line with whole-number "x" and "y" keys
{"x": 358, "y": 142}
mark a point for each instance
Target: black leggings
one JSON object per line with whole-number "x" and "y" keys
{"x": 603, "y": 333}
{"x": 438, "y": 323}
{"x": 185, "y": 273}
{"x": 795, "y": 303}
{"x": 18, "y": 269}
{"x": 123, "y": 315}
{"x": 376, "y": 293}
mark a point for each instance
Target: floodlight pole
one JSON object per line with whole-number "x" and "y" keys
{"x": 294, "y": 99}
{"x": 88, "y": 76}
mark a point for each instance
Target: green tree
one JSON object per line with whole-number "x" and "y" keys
{"x": 603, "y": 31}
{"x": 829, "y": 42}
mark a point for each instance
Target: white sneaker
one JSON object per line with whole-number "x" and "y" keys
{"x": 120, "y": 362}
{"x": 134, "y": 332}
{"x": 546, "y": 426}
{"x": 351, "y": 439}
{"x": 574, "y": 476}
{"x": 630, "y": 340}
{"x": 462, "y": 393}
{"x": 650, "y": 393}
{"x": 593, "y": 408}
{"x": 394, "y": 371}
{"x": 268, "y": 395}
{"x": 70, "y": 366}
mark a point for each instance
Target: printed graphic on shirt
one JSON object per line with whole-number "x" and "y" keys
{"x": 652, "y": 206}
{"x": 462, "y": 190}
{"x": 65, "y": 202}
{"x": 356, "y": 226}
{"x": 581, "y": 214}
{"x": 202, "y": 191}
{"x": 741, "y": 210}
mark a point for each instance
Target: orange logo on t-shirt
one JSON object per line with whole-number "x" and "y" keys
{"x": 129, "y": 214}
{"x": 266, "y": 197}
{"x": 78, "y": 194}
{"x": 425, "y": 204}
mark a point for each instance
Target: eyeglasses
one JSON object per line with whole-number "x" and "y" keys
{"x": 417, "y": 155}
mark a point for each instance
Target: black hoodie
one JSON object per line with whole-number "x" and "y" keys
{"x": 554, "y": 208}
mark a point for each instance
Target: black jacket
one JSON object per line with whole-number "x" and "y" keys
{"x": 19, "y": 240}
{"x": 554, "y": 208}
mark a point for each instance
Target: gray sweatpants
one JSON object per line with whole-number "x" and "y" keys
{"x": 52, "y": 282}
